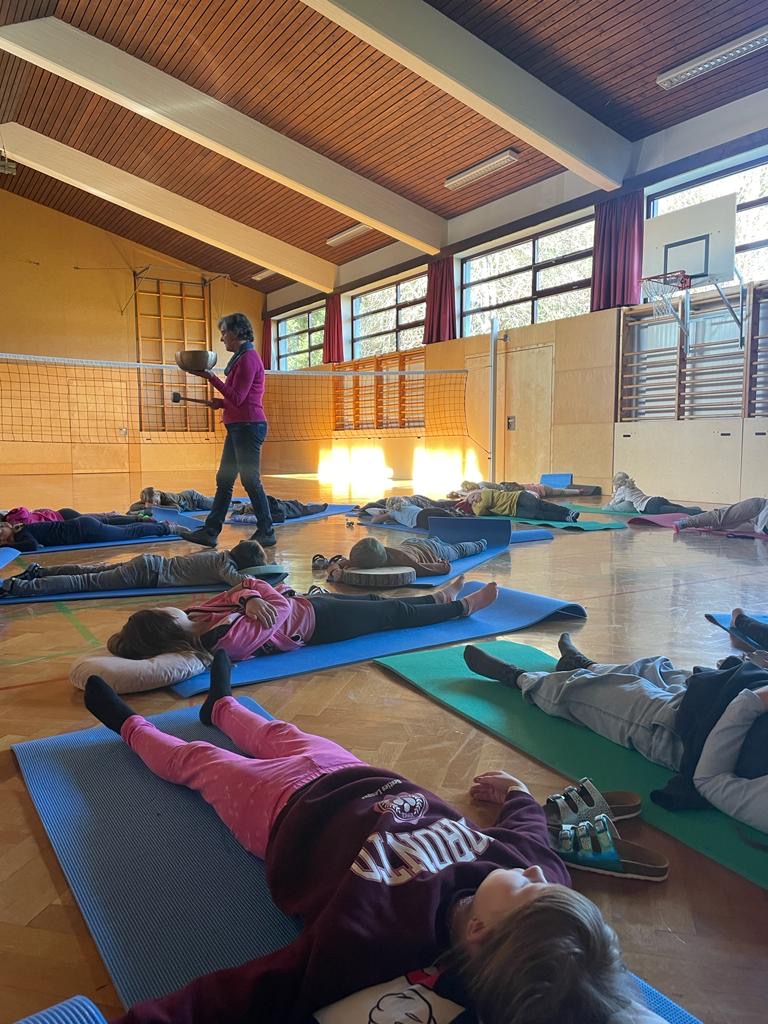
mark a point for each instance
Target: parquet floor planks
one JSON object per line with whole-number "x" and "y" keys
{"x": 701, "y": 937}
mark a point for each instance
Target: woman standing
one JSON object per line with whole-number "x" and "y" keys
{"x": 246, "y": 425}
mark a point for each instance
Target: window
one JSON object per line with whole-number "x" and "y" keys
{"x": 751, "y": 187}
{"x": 300, "y": 339}
{"x": 389, "y": 319}
{"x": 546, "y": 277}
{"x": 170, "y": 315}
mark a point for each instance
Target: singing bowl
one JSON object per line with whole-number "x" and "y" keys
{"x": 196, "y": 361}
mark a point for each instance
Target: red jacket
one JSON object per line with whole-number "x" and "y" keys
{"x": 243, "y": 390}
{"x": 374, "y": 865}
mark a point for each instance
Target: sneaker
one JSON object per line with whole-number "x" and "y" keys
{"x": 32, "y": 572}
{"x": 201, "y": 536}
{"x": 572, "y": 516}
{"x": 315, "y": 589}
{"x": 267, "y": 540}
{"x": 315, "y": 508}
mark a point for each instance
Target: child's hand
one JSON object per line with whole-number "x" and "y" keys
{"x": 261, "y": 610}
{"x": 492, "y": 787}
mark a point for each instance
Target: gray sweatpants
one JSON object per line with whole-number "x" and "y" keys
{"x": 450, "y": 552}
{"x": 633, "y": 705}
{"x": 142, "y": 571}
{"x": 739, "y": 516}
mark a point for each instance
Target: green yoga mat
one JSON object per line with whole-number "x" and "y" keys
{"x": 582, "y": 524}
{"x": 573, "y": 750}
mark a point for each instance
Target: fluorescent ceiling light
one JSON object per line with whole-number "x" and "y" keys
{"x": 485, "y": 167}
{"x": 348, "y": 234}
{"x": 734, "y": 50}
{"x": 262, "y": 275}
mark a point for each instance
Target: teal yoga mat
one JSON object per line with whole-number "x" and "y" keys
{"x": 597, "y": 508}
{"x": 585, "y": 525}
{"x": 574, "y": 750}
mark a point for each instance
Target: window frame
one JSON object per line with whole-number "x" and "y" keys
{"x": 535, "y": 267}
{"x": 398, "y": 306}
{"x": 309, "y": 331}
{"x": 652, "y": 200}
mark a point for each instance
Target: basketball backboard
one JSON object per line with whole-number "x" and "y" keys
{"x": 700, "y": 239}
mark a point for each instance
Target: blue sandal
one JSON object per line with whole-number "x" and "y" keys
{"x": 596, "y": 846}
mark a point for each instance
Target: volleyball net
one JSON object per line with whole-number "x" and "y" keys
{"x": 48, "y": 399}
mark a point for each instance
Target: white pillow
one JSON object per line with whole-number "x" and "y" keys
{"x": 127, "y": 676}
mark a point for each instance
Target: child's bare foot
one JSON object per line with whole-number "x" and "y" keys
{"x": 480, "y": 599}
{"x": 451, "y": 592}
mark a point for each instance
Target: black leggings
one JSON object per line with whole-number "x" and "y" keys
{"x": 374, "y": 614}
{"x": 531, "y": 507}
{"x": 104, "y": 517}
{"x": 663, "y": 507}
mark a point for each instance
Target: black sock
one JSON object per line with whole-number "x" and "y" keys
{"x": 492, "y": 668}
{"x": 221, "y": 670}
{"x": 104, "y": 704}
{"x": 571, "y": 657}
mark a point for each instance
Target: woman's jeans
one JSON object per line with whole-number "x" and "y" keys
{"x": 241, "y": 454}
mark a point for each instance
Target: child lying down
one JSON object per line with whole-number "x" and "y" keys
{"x": 204, "y": 568}
{"x": 428, "y": 556}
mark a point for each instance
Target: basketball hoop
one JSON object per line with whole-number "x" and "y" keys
{"x": 659, "y": 289}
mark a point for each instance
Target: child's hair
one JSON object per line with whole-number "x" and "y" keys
{"x": 147, "y": 495}
{"x": 153, "y": 631}
{"x": 248, "y": 553}
{"x": 622, "y": 479}
{"x": 395, "y": 504}
{"x": 368, "y": 553}
{"x": 555, "y": 959}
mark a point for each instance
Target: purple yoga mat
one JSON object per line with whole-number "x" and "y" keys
{"x": 669, "y": 519}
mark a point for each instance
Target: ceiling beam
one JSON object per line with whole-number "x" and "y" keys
{"x": 158, "y": 204}
{"x": 457, "y": 62}
{"x": 74, "y": 55}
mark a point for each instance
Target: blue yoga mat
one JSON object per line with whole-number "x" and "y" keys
{"x": 158, "y": 926}
{"x": 93, "y": 595}
{"x": 86, "y": 547}
{"x": 137, "y": 853}
{"x": 723, "y": 620}
{"x": 332, "y": 510}
{"x": 556, "y": 479}
{"x": 513, "y": 610}
{"x": 494, "y": 529}
{"x": 8, "y": 555}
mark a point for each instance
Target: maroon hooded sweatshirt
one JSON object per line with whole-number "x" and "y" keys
{"x": 374, "y": 865}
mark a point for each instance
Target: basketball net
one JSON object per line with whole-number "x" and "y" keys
{"x": 660, "y": 288}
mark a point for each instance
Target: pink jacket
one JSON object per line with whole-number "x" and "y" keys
{"x": 243, "y": 390}
{"x": 37, "y": 515}
{"x": 294, "y": 625}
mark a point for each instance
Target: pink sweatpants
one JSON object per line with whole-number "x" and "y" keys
{"x": 249, "y": 792}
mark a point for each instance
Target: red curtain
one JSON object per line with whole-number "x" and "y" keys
{"x": 618, "y": 259}
{"x": 333, "y": 339}
{"x": 440, "y": 322}
{"x": 266, "y": 343}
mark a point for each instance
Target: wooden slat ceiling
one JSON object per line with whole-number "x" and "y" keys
{"x": 605, "y": 55}
{"x": 288, "y": 67}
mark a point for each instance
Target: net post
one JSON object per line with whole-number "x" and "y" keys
{"x": 492, "y": 401}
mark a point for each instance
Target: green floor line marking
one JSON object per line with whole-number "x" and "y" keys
{"x": 84, "y": 632}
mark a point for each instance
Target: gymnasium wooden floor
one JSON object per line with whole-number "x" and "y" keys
{"x": 701, "y": 937}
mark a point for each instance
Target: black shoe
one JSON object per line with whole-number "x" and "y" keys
{"x": 32, "y": 572}
{"x": 201, "y": 536}
{"x": 267, "y": 540}
{"x": 316, "y": 507}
